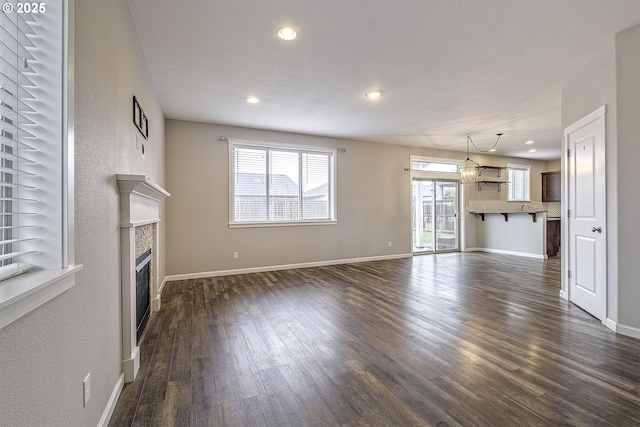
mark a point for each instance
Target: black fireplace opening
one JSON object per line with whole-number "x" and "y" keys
{"x": 143, "y": 281}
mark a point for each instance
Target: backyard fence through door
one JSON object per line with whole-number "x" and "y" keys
{"x": 434, "y": 215}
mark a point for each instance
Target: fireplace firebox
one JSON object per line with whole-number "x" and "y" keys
{"x": 143, "y": 300}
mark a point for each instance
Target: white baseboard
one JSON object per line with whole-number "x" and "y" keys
{"x": 157, "y": 301}
{"x": 281, "y": 267}
{"x": 131, "y": 366}
{"x": 630, "y": 331}
{"x": 111, "y": 404}
{"x": 564, "y": 295}
{"x": 504, "y": 252}
{"x": 610, "y": 324}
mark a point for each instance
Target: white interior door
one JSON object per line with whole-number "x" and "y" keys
{"x": 587, "y": 209}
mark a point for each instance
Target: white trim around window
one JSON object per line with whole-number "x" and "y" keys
{"x": 275, "y": 184}
{"x": 435, "y": 165}
{"x": 434, "y": 168}
{"x": 50, "y": 254}
{"x": 519, "y": 183}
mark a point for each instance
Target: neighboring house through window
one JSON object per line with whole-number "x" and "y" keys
{"x": 277, "y": 184}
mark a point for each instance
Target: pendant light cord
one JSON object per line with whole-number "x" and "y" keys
{"x": 482, "y": 151}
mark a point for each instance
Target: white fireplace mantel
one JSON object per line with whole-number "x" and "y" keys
{"x": 140, "y": 200}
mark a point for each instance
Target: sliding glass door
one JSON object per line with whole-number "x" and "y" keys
{"x": 435, "y": 215}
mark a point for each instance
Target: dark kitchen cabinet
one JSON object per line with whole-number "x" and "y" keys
{"x": 553, "y": 237}
{"x": 551, "y": 186}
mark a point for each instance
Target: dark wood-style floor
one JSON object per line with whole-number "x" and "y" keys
{"x": 445, "y": 340}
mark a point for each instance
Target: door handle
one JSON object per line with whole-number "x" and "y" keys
{"x": 598, "y": 229}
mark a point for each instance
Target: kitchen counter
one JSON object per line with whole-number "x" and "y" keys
{"x": 506, "y": 213}
{"x": 510, "y": 228}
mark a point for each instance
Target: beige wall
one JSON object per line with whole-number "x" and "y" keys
{"x": 554, "y": 165}
{"x": 45, "y": 355}
{"x": 476, "y": 233}
{"x": 589, "y": 87}
{"x": 628, "y": 175}
{"x": 373, "y": 201}
{"x": 611, "y": 77}
{"x": 372, "y": 204}
{"x": 490, "y": 193}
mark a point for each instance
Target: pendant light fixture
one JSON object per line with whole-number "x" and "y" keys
{"x": 468, "y": 170}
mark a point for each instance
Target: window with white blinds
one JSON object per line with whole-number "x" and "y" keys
{"x": 30, "y": 138}
{"x": 279, "y": 184}
{"x": 519, "y": 182}
{"x": 36, "y": 155}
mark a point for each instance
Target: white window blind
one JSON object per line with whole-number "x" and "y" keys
{"x": 36, "y": 155}
{"x": 31, "y": 75}
{"x": 17, "y": 160}
{"x": 519, "y": 186}
{"x": 275, "y": 184}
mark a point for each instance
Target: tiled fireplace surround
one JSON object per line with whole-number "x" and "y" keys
{"x": 139, "y": 214}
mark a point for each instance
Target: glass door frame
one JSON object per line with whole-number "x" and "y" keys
{"x": 417, "y": 233}
{"x": 456, "y": 217}
{"x": 434, "y": 247}
{"x": 433, "y": 169}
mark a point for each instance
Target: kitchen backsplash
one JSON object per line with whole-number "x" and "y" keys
{"x": 553, "y": 209}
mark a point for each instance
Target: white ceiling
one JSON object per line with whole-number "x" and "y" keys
{"x": 447, "y": 67}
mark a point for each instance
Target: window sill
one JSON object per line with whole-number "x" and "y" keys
{"x": 279, "y": 224}
{"x": 22, "y": 294}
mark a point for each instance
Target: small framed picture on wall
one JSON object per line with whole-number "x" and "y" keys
{"x": 140, "y": 119}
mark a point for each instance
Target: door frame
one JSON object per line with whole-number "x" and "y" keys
{"x": 414, "y": 219}
{"x": 565, "y": 291}
{"x": 437, "y": 176}
{"x": 435, "y": 249}
{"x": 457, "y": 220}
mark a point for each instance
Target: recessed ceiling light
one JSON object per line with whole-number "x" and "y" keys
{"x": 493, "y": 150}
{"x": 529, "y": 142}
{"x": 533, "y": 150}
{"x": 252, "y": 100}
{"x": 287, "y": 33}
{"x": 373, "y": 94}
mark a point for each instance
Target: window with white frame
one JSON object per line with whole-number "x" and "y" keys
{"x": 277, "y": 184}
{"x": 433, "y": 165}
{"x": 519, "y": 180}
{"x": 36, "y": 203}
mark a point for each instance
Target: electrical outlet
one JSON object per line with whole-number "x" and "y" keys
{"x": 86, "y": 389}
{"x": 235, "y": 255}
{"x": 389, "y": 243}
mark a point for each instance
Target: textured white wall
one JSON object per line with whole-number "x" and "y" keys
{"x": 45, "y": 355}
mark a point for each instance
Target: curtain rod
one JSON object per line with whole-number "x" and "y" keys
{"x": 225, "y": 139}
